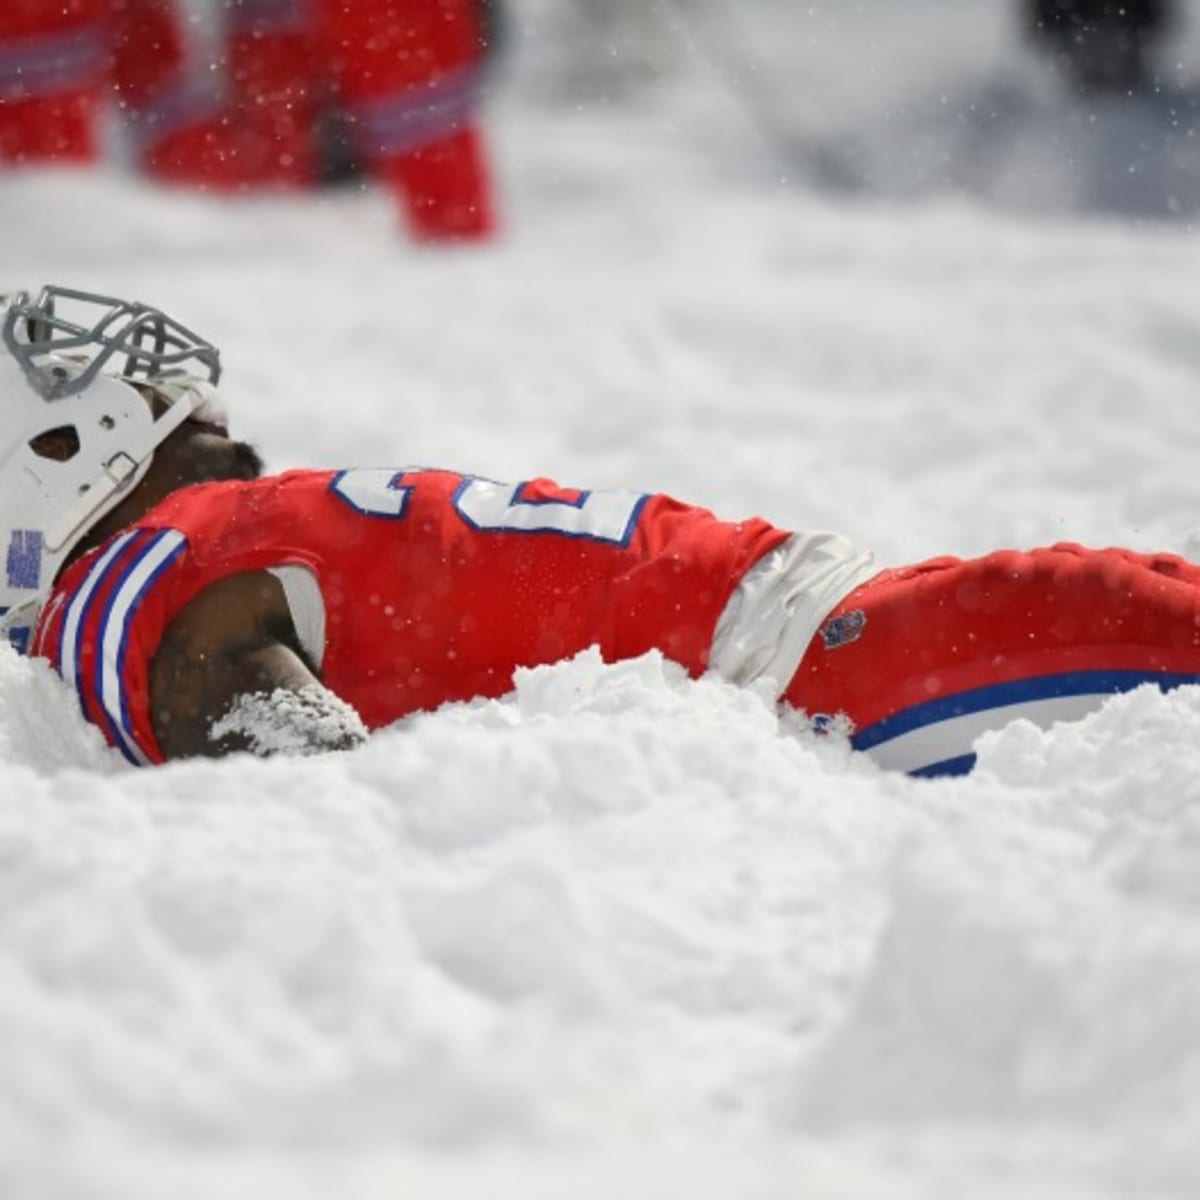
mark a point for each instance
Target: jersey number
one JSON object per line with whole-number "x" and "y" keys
{"x": 501, "y": 507}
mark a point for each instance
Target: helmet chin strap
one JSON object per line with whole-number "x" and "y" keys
{"x": 114, "y": 478}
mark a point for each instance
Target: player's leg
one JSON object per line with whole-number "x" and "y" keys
{"x": 275, "y": 87}
{"x": 53, "y": 66}
{"x": 925, "y": 658}
{"x": 409, "y": 75}
{"x": 168, "y": 102}
{"x": 443, "y": 187}
{"x": 248, "y": 124}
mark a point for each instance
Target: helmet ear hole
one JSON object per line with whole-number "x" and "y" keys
{"x": 61, "y": 444}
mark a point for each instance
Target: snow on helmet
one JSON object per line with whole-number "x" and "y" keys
{"x": 54, "y": 352}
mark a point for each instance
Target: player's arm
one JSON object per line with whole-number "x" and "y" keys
{"x": 229, "y": 675}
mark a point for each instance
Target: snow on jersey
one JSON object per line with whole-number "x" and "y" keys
{"x": 436, "y": 586}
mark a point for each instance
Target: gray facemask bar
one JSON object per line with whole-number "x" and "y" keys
{"x": 154, "y": 345}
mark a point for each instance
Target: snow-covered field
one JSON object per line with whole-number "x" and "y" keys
{"x": 624, "y": 934}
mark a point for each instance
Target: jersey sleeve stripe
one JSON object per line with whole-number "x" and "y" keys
{"x": 70, "y": 638}
{"x": 138, "y": 577}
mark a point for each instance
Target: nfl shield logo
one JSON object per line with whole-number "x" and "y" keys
{"x": 843, "y": 629}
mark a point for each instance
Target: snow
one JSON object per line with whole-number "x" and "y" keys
{"x": 623, "y": 933}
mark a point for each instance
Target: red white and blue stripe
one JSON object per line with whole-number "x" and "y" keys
{"x": 49, "y": 64}
{"x": 268, "y": 16}
{"x": 186, "y": 102}
{"x": 93, "y": 638}
{"x": 409, "y": 119}
{"x": 937, "y": 737}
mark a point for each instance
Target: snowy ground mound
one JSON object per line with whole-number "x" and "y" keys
{"x": 622, "y": 932}
{"x": 615, "y": 916}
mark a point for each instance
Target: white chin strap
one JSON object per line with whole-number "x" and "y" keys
{"x": 204, "y": 399}
{"x": 117, "y": 473}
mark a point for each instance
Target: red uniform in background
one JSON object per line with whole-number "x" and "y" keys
{"x": 59, "y": 63}
{"x": 54, "y": 69}
{"x": 406, "y": 74}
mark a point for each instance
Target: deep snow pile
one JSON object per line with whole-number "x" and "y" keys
{"x": 622, "y": 932}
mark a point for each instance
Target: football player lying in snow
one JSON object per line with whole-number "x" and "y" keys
{"x": 197, "y": 608}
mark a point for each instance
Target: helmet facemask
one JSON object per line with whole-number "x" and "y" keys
{"x": 94, "y": 329}
{"x": 55, "y": 392}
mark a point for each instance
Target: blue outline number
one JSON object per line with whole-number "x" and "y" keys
{"x": 504, "y": 508}
{"x": 373, "y": 492}
{"x": 492, "y": 507}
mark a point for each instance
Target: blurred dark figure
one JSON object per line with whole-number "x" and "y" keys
{"x": 1100, "y": 45}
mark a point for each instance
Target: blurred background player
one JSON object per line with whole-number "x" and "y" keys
{"x": 60, "y": 62}
{"x": 1100, "y": 45}
{"x": 321, "y": 87}
{"x": 405, "y": 76}
{"x": 53, "y": 70}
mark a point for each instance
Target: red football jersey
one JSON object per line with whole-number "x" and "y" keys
{"x": 436, "y": 586}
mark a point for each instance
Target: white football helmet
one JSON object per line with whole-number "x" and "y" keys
{"x": 70, "y": 363}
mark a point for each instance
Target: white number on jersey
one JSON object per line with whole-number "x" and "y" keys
{"x": 600, "y": 516}
{"x": 500, "y": 507}
{"x": 375, "y": 493}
